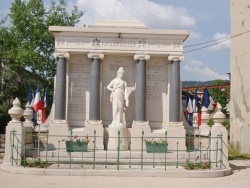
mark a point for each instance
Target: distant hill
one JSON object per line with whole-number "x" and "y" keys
{"x": 197, "y": 83}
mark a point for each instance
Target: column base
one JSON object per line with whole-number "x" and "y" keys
{"x": 136, "y": 134}
{"x": 177, "y": 132}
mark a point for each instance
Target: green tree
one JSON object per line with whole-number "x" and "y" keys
{"x": 220, "y": 95}
{"x": 27, "y": 47}
{"x": 31, "y": 45}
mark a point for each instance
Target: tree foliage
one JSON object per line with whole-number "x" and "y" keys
{"x": 220, "y": 95}
{"x": 31, "y": 45}
{"x": 26, "y": 45}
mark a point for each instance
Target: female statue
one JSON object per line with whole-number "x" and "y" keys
{"x": 117, "y": 98}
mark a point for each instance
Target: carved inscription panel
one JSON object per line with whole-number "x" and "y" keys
{"x": 78, "y": 88}
{"x": 156, "y": 88}
{"x": 107, "y": 44}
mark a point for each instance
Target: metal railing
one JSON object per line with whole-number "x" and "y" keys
{"x": 197, "y": 152}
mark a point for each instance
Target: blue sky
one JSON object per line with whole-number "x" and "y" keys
{"x": 206, "y": 20}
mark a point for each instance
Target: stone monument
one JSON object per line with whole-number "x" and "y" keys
{"x": 89, "y": 61}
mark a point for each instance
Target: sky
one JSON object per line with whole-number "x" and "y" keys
{"x": 207, "y": 20}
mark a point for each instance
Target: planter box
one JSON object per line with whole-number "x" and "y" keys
{"x": 157, "y": 148}
{"x": 76, "y": 146}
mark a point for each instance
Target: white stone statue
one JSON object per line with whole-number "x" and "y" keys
{"x": 118, "y": 96}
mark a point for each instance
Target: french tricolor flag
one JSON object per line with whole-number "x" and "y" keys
{"x": 38, "y": 103}
{"x": 39, "y": 107}
{"x": 189, "y": 107}
{"x": 207, "y": 100}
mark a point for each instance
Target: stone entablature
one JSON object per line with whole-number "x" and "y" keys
{"x": 109, "y": 44}
{"x": 119, "y": 37}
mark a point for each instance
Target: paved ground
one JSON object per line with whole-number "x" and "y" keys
{"x": 240, "y": 178}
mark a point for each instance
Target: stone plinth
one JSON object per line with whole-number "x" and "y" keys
{"x": 177, "y": 132}
{"x": 139, "y": 129}
{"x": 221, "y": 133}
{"x": 113, "y": 138}
{"x": 17, "y": 127}
{"x": 97, "y": 127}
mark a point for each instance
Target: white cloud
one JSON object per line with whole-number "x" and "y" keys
{"x": 197, "y": 70}
{"x": 196, "y": 63}
{"x": 150, "y": 13}
{"x": 194, "y": 36}
{"x": 223, "y": 42}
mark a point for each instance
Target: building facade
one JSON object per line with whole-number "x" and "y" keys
{"x": 240, "y": 77}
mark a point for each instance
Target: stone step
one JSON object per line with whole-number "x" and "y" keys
{"x": 103, "y": 161}
{"x": 2, "y": 145}
{"x": 2, "y": 150}
{"x": 114, "y": 155}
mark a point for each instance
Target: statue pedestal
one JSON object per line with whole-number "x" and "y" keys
{"x": 113, "y": 138}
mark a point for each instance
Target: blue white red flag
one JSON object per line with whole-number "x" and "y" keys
{"x": 189, "y": 110}
{"x": 30, "y": 97}
{"x": 38, "y": 103}
{"x": 207, "y": 100}
{"x": 195, "y": 102}
{"x": 189, "y": 107}
{"x": 38, "y": 107}
{"x": 46, "y": 98}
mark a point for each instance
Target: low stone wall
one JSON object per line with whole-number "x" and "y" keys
{"x": 2, "y": 145}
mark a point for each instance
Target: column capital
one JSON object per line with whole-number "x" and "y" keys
{"x": 61, "y": 55}
{"x": 95, "y": 55}
{"x": 175, "y": 58}
{"x": 141, "y": 57}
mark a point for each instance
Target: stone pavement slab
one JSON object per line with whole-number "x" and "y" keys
{"x": 240, "y": 178}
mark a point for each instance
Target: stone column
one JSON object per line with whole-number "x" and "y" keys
{"x": 94, "y": 108}
{"x": 94, "y": 124}
{"x": 175, "y": 88}
{"x": 140, "y": 124}
{"x": 60, "y": 88}
{"x": 140, "y": 90}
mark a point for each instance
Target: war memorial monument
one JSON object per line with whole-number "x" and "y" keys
{"x": 120, "y": 81}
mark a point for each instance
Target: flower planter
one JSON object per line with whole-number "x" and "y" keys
{"x": 156, "y": 148}
{"x": 72, "y": 146}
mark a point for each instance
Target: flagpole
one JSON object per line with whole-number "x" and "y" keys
{"x": 38, "y": 145}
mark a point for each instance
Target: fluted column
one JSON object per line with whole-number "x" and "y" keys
{"x": 60, "y": 88}
{"x": 175, "y": 88}
{"x": 140, "y": 91}
{"x": 94, "y": 108}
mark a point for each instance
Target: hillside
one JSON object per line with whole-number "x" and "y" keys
{"x": 198, "y": 83}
